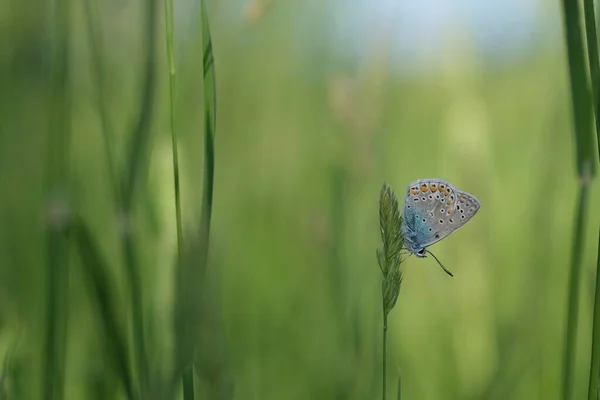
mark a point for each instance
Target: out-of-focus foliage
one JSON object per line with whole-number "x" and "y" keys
{"x": 290, "y": 303}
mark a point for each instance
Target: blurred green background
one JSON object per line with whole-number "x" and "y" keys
{"x": 318, "y": 103}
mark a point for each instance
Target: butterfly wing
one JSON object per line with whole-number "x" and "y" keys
{"x": 433, "y": 209}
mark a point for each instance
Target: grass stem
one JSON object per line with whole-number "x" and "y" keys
{"x": 573, "y": 300}
{"x": 188, "y": 375}
{"x": 595, "y": 359}
{"x": 384, "y": 365}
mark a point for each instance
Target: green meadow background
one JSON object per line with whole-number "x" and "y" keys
{"x": 289, "y": 305}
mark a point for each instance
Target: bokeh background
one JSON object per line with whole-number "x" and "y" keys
{"x": 318, "y": 103}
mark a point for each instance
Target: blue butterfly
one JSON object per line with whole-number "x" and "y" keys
{"x": 433, "y": 209}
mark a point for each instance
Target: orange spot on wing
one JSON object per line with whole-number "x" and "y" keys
{"x": 414, "y": 190}
{"x": 449, "y": 211}
{"x": 423, "y": 188}
{"x": 433, "y": 187}
{"x": 448, "y": 201}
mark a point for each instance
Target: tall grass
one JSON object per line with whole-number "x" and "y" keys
{"x": 593, "y": 388}
{"x": 277, "y": 303}
{"x": 188, "y": 377}
{"x": 57, "y": 208}
{"x": 389, "y": 259}
{"x": 586, "y": 160}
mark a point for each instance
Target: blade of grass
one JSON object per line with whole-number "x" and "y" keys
{"x": 581, "y": 107}
{"x": 573, "y": 300}
{"x": 210, "y": 112}
{"x": 594, "y": 62}
{"x": 191, "y": 269}
{"x": 593, "y": 392}
{"x": 96, "y": 46}
{"x": 103, "y": 293}
{"x": 131, "y": 175}
{"x": 574, "y": 284}
{"x": 57, "y": 246}
{"x": 188, "y": 375}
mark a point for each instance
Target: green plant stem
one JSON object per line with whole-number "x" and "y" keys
{"x": 103, "y": 292}
{"x": 593, "y": 61}
{"x": 188, "y": 383}
{"x": 188, "y": 375}
{"x": 595, "y": 361}
{"x": 131, "y": 175}
{"x": 56, "y": 181}
{"x": 96, "y": 46}
{"x": 574, "y": 283}
{"x": 384, "y": 365}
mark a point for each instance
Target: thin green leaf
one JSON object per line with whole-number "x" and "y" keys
{"x": 594, "y": 62}
{"x": 574, "y": 285}
{"x": 581, "y": 103}
{"x": 593, "y": 392}
{"x": 103, "y": 293}
{"x": 57, "y": 171}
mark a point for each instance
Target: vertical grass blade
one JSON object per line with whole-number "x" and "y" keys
{"x": 210, "y": 112}
{"x": 188, "y": 374}
{"x": 581, "y": 103}
{"x": 594, "y": 62}
{"x": 140, "y": 135}
{"x": 190, "y": 276}
{"x": 131, "y": 175}
{"x": 581, "y": 107}
{"x": 593, "y": 392}
{"x": 96, "y": 48}
{"x": 57, "y": 246}
{"x": 574, "y": 284}
{"x": 103, "y": 294}
{"x": 210, "y": 119}
{"x": 384, "y": 348}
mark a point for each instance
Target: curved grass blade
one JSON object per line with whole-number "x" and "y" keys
{"x": 191, "y": 269}
{"x": 581, "y": 107}
{"x": 131, "y": 175}
{"x": 594, "y": 62}
{"x": 103, "y": 293}
{"x": 57, "y": 246}
{"x": 593, "y": 392}
{"x": 96, "y": 47}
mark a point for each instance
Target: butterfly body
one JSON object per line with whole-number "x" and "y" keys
{"x": 433, "y": 209}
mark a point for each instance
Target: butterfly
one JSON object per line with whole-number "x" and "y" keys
{"x": 433, "y": 209}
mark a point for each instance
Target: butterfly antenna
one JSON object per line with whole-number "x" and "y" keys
{"x": 438, "y": 261}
